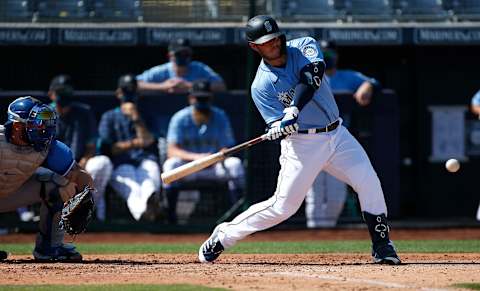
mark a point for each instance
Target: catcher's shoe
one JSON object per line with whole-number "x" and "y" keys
{"x": 211, "y": 248}
{"x": 385, "y": 254}
{"x": 3, "y": 255}
{"x": 63, "y": 253}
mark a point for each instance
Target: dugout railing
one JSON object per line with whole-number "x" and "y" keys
{"x": 376, "y": 126}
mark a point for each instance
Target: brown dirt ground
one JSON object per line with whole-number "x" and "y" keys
{"x": 257, "y": 272}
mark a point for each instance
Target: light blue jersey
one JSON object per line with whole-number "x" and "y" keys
{"x": 204, "y": 138}
{"x": 196, "y": 71}
{"x": 273, "y": 88}
{"x": 348, "y": 80}
{"x": 476, "y": 99}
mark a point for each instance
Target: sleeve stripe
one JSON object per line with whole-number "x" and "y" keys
{"x": 69, "y": 168}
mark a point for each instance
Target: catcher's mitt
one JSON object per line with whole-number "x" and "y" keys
{"x": 78, "y": 212}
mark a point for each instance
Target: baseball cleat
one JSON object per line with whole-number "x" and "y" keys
{"x": 63, "y": 253}
{"x": 211, "y": 248}
{"x": 385, "y": 255}
{"x": 3, "y": 255}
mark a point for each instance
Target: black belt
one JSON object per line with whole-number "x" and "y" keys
{"x": 330, "y": 127}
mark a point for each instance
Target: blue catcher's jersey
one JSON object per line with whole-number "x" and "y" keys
{"x": 274, "y": 87}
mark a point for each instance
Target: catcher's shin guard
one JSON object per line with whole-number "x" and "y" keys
{"x": 49, "y": 243}
{"x": 383, "y": 250}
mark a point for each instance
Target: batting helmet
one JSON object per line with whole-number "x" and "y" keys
{"x": 261, "y": 29}
{"x": 39, "y": 119}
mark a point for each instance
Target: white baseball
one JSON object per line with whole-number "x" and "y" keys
{"x": 452, "y": 165}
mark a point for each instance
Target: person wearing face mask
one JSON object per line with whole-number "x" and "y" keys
{"x": 126, "y": 137}
{"x": 177, "y": 75}
{"x": 77, "y": 128}
{"x": 194, "y": 132}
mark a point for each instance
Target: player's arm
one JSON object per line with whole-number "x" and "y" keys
{"x": 311, "y": 76}
{"x": 70, "y": 177}
{"x": 174, "y": 150}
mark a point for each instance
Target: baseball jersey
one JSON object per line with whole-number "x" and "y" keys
{"x": 274, "y": 87}
{"x": 348, "y": 80}
{"x": 203, "y": 138}
{"x": 196, "y": 71}
{"x": 77, "y": 128}
{"x": 114, "y": 126}
{"x": 476, "y": 99}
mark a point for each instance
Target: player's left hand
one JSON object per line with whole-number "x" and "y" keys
{"x": 289, "y": 123}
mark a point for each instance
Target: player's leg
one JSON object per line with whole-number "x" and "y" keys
{"x": 100, "y": 168}
{"x": 302, "y": 157}
{"x": 231, "y": 170}
{"x": 124, "y": 182}
{"x": 171, "y": 190}
{"x": 148, "y": 176}
{"x": 49, "y": 244}
{"x": 351, "y": 164}
{"x": 478, "y": 213}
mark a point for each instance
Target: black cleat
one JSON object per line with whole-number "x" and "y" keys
{"x": 385, "y": 254}
{"x": 211, "y": 248}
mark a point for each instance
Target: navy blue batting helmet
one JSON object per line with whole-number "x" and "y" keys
{"x": 39, "y": 119}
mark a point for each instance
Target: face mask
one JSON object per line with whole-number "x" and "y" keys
{"x": 182, "y": 58}
{"x": 202, "y": 106}
{"x": 129, "y": 98}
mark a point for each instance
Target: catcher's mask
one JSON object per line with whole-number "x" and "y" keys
{"x": 37, "y": 120}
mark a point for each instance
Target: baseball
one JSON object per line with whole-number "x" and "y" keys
{"x": 452, "y": 165}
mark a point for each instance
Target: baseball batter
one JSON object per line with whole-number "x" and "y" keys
{"x": 27, "y": 142}
{"x": 295, "y": 99}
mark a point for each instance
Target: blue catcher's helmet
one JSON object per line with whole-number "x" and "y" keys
{"x": 39, "y": 119}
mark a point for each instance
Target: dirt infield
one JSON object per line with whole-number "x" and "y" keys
{"x": 257, "y": 272}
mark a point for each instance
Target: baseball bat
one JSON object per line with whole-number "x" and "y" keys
{"x": 200, "y": 164}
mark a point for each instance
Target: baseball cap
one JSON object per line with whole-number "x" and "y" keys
{"x": 201, "y": 89}
{"x": 128, "y": 84}
{"x": 62, "y": 86}
{"x": 179, "y": 44}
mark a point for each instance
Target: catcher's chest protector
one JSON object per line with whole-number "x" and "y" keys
{"x": 17, "y": 164}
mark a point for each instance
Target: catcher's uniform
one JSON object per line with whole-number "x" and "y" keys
{"x": 22, "y": 173}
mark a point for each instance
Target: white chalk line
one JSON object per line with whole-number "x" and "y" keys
{"x": 356, "y": 280}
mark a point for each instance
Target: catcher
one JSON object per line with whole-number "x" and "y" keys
{"x": 27, "y": 142}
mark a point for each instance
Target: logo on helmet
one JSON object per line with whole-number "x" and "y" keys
{"x": 268, "y": 26}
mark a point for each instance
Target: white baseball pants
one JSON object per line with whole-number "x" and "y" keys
{"x": 302, "y": 158}
{"x": 136, "y": 184}
{"x": 100, "y": 168}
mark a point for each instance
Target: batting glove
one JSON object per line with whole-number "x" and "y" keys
{"x": 289, "y": 123}
{"x": 274, "y": 132}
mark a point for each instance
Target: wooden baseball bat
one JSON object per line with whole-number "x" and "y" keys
{"x": 200, "y": 164}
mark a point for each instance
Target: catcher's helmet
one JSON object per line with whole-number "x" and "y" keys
{"x": 39, "y": 119}
{"x": 261, "y": 29}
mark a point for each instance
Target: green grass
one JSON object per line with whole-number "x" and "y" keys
{"x": 472, "y": 286}
{"x": 348, "y": 246}
{"x": 108, "y": 287}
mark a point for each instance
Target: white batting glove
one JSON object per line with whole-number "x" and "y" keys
{"x": 289, "y": 123}
{"x": 274, "y": 132}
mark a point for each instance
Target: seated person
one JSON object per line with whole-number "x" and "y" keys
{"x": 126, "y": 137}
{"x": 194, "y": 132}
{"x": 177, "y": 75}
{"x": 77, "y": 128}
